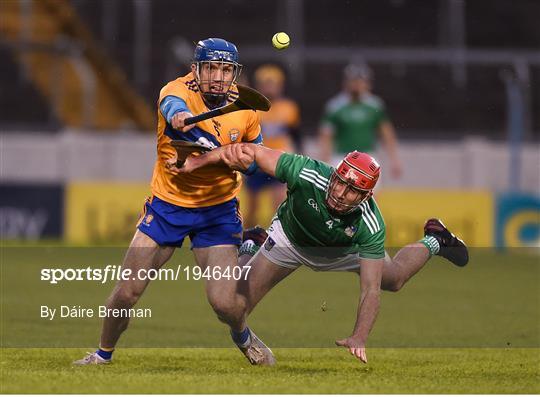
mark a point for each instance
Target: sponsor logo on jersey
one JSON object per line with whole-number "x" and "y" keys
{"x": 357, "y": 115}
{"x": 233, "y": 134}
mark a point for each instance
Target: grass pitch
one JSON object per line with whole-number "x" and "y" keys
{"x": 298, "y": 371}
{"x": 450, "y": 330}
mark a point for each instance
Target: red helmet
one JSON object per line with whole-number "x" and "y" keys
{"x": 359, "y": 172}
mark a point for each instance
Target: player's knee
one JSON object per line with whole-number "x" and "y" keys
{"x": 126, "y": 297}
{"x": 228, "y": 309}
{"x": 394, "y": 286}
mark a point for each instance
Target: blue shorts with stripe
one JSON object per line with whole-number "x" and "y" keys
{"x": 168, "y": 224}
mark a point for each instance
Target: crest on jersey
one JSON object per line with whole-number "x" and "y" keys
{"x": 350, "y": 230}
{"x": 233, "y": 134}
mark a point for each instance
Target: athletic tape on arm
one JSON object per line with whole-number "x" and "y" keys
{"x": 170, "y": 105}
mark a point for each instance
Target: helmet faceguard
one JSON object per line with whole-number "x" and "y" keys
{"x": 352, "y": 183}
{"x": 212, "y": 58}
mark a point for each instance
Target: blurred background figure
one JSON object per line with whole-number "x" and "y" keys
{"x": 279, "y": 127}
{"x": 355, "y": 118}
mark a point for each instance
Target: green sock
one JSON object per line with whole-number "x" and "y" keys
{"x": 432, "y": 244}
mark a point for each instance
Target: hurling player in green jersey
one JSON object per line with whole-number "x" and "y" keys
{"x": 355, "y": 118}
{"x": 329, "y": 221}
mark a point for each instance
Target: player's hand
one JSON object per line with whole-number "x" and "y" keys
{"x": 248, "y": 151}
{"x": 172, "y": 167}
{"x": 177, "y": 121}
{"x": 190, "y": 165}
{"x": 237, "y": 157}
{"x": 356, "y": 347}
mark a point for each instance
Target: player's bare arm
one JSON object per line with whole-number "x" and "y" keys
{"x": 265, "y": 157}
{"x": 232, "y": 156}
{"x": 193, "y": 163}
{"x": 370, "y": 282}
{"x": 238, "y": 156}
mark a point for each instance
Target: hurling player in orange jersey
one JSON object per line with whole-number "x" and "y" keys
{"x": 202, "y": 204}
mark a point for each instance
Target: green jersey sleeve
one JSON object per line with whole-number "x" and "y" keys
{"x": 289, "y": 166}
{"x": 372, "y": 235}
{"x": 373, "y": 248}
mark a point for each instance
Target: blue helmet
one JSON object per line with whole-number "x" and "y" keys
{"x": 219, "y": 51}
{"x": 215, "y": 50}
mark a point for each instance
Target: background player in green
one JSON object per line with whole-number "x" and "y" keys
{"x": 355, "y": 118}
{"x": 329, "y": 221}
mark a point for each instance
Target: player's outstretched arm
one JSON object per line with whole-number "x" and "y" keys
{"x": 265, "y": 157}
{"x": 238, "y": 156}
{"x": 370, "y": 283}
{"x": 232, "y": 156}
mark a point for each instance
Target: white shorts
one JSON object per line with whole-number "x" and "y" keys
{"x": 280, "y": 251}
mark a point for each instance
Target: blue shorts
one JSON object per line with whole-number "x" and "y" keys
{"x": 168, "y": 224}
{"x": 259, "y": 180}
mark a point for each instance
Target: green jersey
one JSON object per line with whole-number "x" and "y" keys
{"x": 307, "y": 222}
{"x": 355, "y": 123}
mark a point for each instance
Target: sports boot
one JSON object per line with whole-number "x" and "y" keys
{"x": 451, "y": 247}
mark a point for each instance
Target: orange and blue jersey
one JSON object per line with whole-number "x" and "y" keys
{"x": 210, "y": 185}
{"x": 201, "y": 205}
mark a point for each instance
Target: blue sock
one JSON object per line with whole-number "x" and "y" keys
{"x": 240, "y": 338}
{"x": 106, "y": 355}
